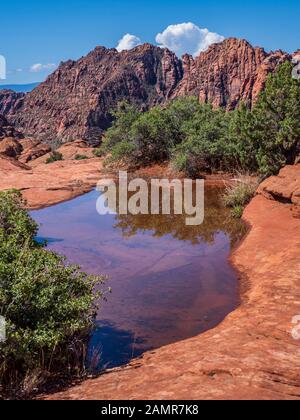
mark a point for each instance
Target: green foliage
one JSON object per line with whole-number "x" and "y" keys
{"x": 205, "y": 147}
{"x": 237, "y": 211}
{"x": 276, "y": 122}
{"x": 145, "y": 138}
{"x": 16, "y": 228}
{"x": 49, "y": 306}
{"x": 240, "y": 193}
{"x": 98, "y": 152}
{"x": 124, "y": 118}
{"x": 54, "y": 157}
{"x": 80, "y": 157}
{"x": 198, "y": 138}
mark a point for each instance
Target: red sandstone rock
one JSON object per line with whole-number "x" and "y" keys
{"x": 228, "y": 73}
{"x": 7, "y": 130}
{"x": 36, "y": 151}
{"x": 10, "y": 166}
{"x": 10, "y": 102}
{"x": 284, "y": 187}
{"x": 10, "y": 147}
{"x": 45, "y": 185}
{"x": 77, "y": 99}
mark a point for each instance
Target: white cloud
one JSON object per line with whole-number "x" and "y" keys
{"x": 36, "y": 68}
{"x": 187, "y": 38}
{"x": 128, "y": 42}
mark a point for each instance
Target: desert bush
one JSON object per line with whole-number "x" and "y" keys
{"x": 204, "y": 148}
{"x": 144, "y": 138}
{"x": 276, "y": 122}
{"x": 49, "y": 306}
{"x": 198, "y": 138}
{"x": 80, "y": 157}
{"x": 239, "y": 193}
{"x": 98, "y": 152}
{"x": 54, "y": 157}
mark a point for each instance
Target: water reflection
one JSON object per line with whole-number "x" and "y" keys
{"x": 217, "y": 219}
{"x": 111, "y": 347}
{"x": 169, "y": 281}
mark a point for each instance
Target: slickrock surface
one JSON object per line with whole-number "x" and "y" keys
{"x": 10, "y": 165}
{"x": 23, "y": 167}
{"x": 69, "y": 151}
{"x": 285, "y": 187}
{"x": 77, "y": 99}
{"x": 45, "y": 185}
{"x": 252, "y": 354}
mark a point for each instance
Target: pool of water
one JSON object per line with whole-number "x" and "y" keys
{"x": 169, "y": 281}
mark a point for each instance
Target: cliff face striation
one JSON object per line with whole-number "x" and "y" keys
{"x": 7, "y": 130}
{"x": 10, "y": 102}
{"x": 228, "y": 73}
{"x": 75, "y": 102}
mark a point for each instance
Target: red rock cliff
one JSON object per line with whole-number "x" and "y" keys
{"x": 228, "y": 73}
{"x": 76, "y": 100}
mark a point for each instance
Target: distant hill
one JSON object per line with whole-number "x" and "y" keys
{"x": 20, "y": 88}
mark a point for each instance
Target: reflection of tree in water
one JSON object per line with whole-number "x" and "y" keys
{"x": 217, "y": 219}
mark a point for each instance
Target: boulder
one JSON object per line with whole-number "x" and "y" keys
{"x": 285, "y": 187}
{"x": 10, "y": 147}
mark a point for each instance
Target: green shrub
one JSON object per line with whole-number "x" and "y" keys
{"x": 198, "y": 138}
{"x": 54, "y": 157}
{"x": 80, "y": 157}
{"x": 49, "y": 306}
{"x": 276, "y": 122}
{"x": 237, "y": 211}
{"x": 98, "y": 152}
{"x": 144, "y": 138}
{"x": 204, "y": 147}
{"x": 240, "y": 193}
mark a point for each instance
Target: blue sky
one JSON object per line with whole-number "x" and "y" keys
{"x": 36, "y": 32}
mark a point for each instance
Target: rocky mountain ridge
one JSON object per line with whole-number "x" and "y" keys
{"x": 75, "y": 102}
